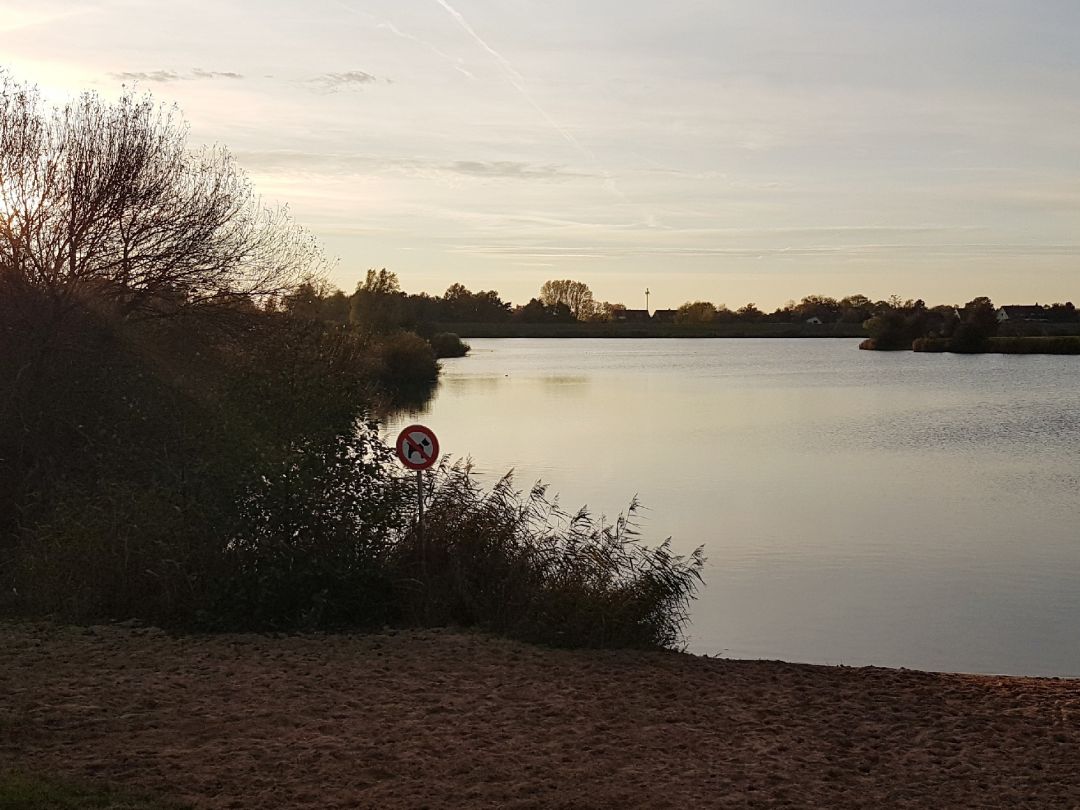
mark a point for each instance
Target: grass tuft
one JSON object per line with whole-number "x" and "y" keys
{"x": 516, "y": 563}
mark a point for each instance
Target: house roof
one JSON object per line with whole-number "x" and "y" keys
{"x": 1024, "y": 312}
{"x": 633, "y": 315}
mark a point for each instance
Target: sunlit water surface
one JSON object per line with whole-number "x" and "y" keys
{"x": 897, "y": 509}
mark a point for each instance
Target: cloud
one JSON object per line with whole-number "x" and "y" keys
{"x": 350, "y": 79}
{"x": 337, "y": 163}
{"x": 608, "y": 251}
{"x": 510, "y": 169}
{"x": 199, "y": 73}
{"x": 163, "y": 76}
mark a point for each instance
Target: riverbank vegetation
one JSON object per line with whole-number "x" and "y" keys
{"x": 185, "y": 434}
{"x": 1061, "y": 344}
{"x": 448, "y": 344}
{"x": 975, "y": 328}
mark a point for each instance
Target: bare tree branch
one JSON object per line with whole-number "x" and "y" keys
{"x": 105, "y": 200}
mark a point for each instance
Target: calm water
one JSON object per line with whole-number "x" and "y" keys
{"x": 899, "y": 509}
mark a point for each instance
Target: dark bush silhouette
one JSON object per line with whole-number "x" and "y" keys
{"x": 517, "y": 564}
{"x": 447, "y": 344}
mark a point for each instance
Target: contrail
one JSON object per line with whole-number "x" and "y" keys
{"x": 516, "y": 78}
{"x": 518, "y": 81}
{"x": 386, "y": 25}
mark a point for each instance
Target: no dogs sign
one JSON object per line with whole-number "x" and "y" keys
{"x": 417, "y": 447}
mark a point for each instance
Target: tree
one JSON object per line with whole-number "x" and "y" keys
{"x": 749, "y": 312}
{"x": 606, "y": 311}
{"x": 982, "y": 313}
{"x": 818, "y": 306}
{"x": 696, "y": 312}
{"x": 380, "y": 282}
{"x": 105, "y": 200}
{"x": 891, "y": 330}
{"x": 378, "y": 305}
{"x": 575, "y": 295}
{"x": 484, "y": 306}
{"x": 537, "y": 312}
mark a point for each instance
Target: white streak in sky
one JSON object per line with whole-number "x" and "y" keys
{"x": 518, "y": 81}
{"x": 386, "y": 25}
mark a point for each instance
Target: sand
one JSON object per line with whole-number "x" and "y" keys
{"x": 452, "y": 719}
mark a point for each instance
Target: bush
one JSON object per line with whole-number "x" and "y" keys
{"x": 968, "y": 338}
{"x": 313, "y": 540}
{"x": 198, "y": 474}
{"x": 447, "y": 344}
{"x": 890, "y": 331}
{"x": 516, "y": 564}
{"x": 1058, "y": 344}
{"x": 402, "y": 359}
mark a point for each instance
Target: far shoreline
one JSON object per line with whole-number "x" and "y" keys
{"x": 661, "y": 330}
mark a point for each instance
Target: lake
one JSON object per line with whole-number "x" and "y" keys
{"x": 895, "y": 509}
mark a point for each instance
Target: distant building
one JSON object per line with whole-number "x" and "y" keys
{"x": 814, "y": 319}
{"x": 1022, "y": 312}
{"x": 631, "y": 315}
{"x": 664, "y": 316}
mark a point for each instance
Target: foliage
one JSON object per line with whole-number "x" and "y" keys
{"x": 211, "y": 465}
{"x": 890, "y": 331}
{"x": 605, "y": 312}
{"x": 536, "y": 311}
{"x": 311, "y": 544}
{"x": 696, "y": 312}
{"x": 750, "y": 312}
{"x": 574, "y": 295}
{"x": 448, "y": 344}
{"x": 461, "y": 305}
{"x": 519, "y": 565}
{"x": 127, "y": 447}
{"x": 402, "y": 359}
{"x": 1039, "y": 344}
{"x": 378, "y": 305}
{"x": 107, "y": 199}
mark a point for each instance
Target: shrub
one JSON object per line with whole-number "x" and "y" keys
{"x": 890, "y": 331}
{"x": 447, "y": 344}
{"x": 519, "y": 565}
{"x": 402, "y": 359}
{"x": 968, "y": 338}
{"x": 313, "y": 540}
{"x": 190, "y": 473}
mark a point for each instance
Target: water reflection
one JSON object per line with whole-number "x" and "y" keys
{"x": 858, "y": 507}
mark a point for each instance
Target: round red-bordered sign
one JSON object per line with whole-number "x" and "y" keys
{"x": 417, "y": 447}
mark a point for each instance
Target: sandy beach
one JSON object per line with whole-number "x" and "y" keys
{"x": 452, "y": 719}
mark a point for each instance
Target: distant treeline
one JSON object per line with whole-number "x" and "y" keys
{"x": 967, "y": 329}
{"x": 380, "y": 304}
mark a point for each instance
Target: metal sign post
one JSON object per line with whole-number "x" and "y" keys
{"x": 418, "y": 449}
{"x": 420, "y": 522}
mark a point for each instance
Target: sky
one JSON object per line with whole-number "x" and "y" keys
{"x": 708, "y": 150}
